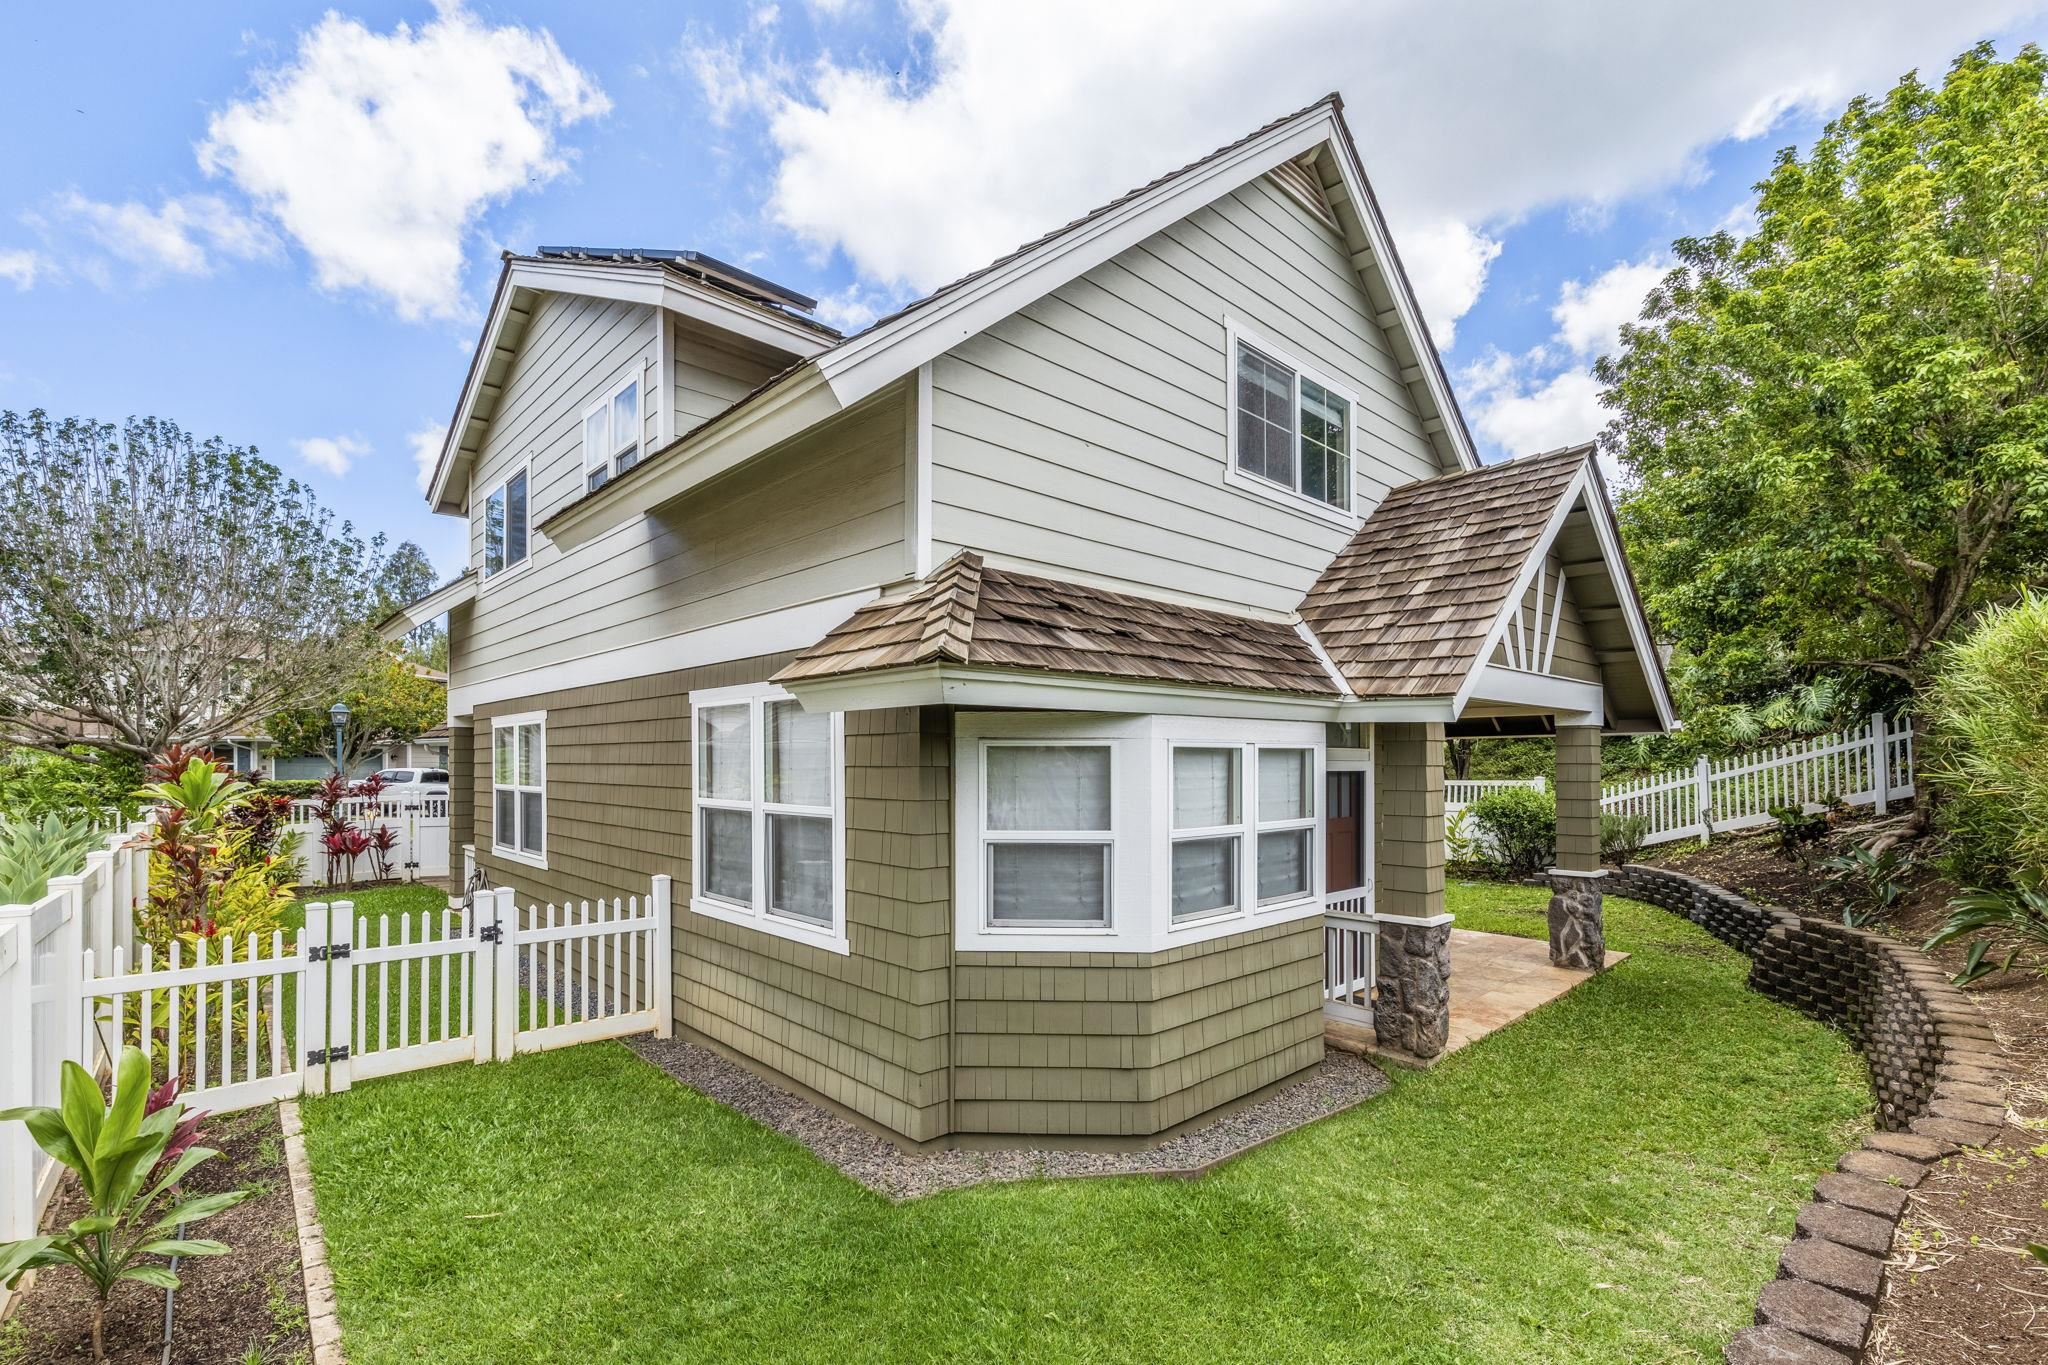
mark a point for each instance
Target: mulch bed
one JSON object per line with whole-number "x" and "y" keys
{"x": 1960, "y": 1286}
{"x": 248, "y": 1305}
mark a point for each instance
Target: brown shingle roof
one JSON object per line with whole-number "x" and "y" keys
{"x": 1405, "y": 607}
{"x": 967, "y": 613}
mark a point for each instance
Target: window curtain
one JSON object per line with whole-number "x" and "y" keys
{"x": 1049, "y": 883}
{"x": 725, "y": 753}
{"x": 1204, "y": 788}
{"x": 1048, "y": 787}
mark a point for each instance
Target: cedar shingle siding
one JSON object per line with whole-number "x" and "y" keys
{"x": 1094, "y": 1043}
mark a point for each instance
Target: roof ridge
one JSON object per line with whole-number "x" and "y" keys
{"x": 955, "y": 588}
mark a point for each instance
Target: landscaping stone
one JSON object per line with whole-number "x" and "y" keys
{"x": 1970, "y": 1094}
{"x": 1971, "y": 1075}
{"x": 1966, "y": 1112}
{"x": 1578, "y": 933}
{"x": 1776, "y": 1346}
{"x": 1910, "y": 1145}
{"x": 1956, "y": 1131}
{"x": 1829, "y": 1318}
{"x": 1833, "y": 1223}
{"x": 1412, "y": 1012}
{"x": 1833, "y": 1266}
{"x": 1867, "y": 1196}
{"x": 1893, "y": 1170}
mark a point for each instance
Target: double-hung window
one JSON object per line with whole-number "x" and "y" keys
{"x": 769, "y": 835}
{"x": 1292, "y": 430}
{"x": 1047, "y": 834}
{"x": 505, "y": 525}
{"x": 1243, "y": 828}
{"x": 611, "y": 434}
{"x": 519, "y": 800}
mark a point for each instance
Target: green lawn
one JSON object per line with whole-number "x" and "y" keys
{"x": 1608, "y": 1179}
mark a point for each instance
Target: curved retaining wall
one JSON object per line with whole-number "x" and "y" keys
{"x": 1937, "y": 1071}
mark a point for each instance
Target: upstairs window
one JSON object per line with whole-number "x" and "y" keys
{"x": 611, "y": 435}
{"x": 1293, "y": 431}
{"x": 505, "y": 525}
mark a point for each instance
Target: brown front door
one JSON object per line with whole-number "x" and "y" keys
{"x": 1345, "y": 804}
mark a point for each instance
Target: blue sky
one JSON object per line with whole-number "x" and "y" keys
{"x": 280, "y": 223}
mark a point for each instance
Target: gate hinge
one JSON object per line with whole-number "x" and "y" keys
{"x": 320, "y": 1056}
{"x": 408, "y": 864}
{"x": 326, "y": 952}
{"x": 491, "y": 933}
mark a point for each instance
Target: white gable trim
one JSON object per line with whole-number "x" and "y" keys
{"x": 1584, "y": 489}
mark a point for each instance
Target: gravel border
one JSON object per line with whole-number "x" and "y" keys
{"x": 1341, "y": 1081}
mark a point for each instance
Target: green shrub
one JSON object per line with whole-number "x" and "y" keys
{"x": 1622, "y": 836}
{"x": 1988, "y": 716}
{"x": 1514, "y": 830}
{"x": 1873, "y": 882}
{"x": 33, "y": 851}
{"x": 297, "y": 788}
{"x": 81, "y": 782}
{"x": 1999, "y": 926}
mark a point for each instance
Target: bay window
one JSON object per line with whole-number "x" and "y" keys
{"x": 1046, "y": 834}
{"x": 1215, "y": 819}
{"x": 769, "y": 830}
{"x": 519, "y": 798}
{"x": 1291, "y": 431}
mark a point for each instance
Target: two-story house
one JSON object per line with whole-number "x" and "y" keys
{"x": 1039, "y": 696}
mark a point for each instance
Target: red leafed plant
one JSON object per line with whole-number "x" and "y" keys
{"x": 170, "y": 765}
{"x": 383, "y": 839}
{"x": 347, "y": 843}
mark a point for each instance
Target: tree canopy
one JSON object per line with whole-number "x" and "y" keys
{"x": 1834, "y": 432}
{"x": 158, "y": 590}
{"x": 389, "y": 702}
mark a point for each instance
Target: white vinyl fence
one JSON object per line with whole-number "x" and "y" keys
{"x": 345, "y": 998}
{"x": 419, "y": 826}
{"x": 1869, "y": 765}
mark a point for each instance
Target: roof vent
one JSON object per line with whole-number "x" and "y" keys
{"x": 1301, "y": 182}
{"x": 707, "y": 268}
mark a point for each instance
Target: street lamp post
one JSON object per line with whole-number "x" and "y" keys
{"x": 338, "y": 713}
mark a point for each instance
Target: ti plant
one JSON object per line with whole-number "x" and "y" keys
{"x": 129, "y": 1154}
{"x": 1996, "y": 921}
{"x": 1875, "y": 882}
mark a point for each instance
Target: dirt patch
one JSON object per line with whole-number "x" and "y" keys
{"x": 1959, "y": 1285}
{"x": 246, "y": 1306}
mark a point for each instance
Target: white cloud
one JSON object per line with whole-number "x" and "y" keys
{"x": 183, "y": 235}
{"x": 379, "y": 152}
{"x": 426, "y": 450}
{"x": 21, "y": 267}
{"x": 1022, "y": 116}
{"x": 332, "y": 454}
{"x": 1589, "y": 315}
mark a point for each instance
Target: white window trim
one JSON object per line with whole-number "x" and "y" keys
{"x": 512, "y": 722}
{"x": 831, "y": 937}
{"x": 1141, "y": 916}
{"x": 1293, "y": 499}
{"x": 486, "y": 579}
{"x": 637, "y": 376}
{"x": 991, "y": 837}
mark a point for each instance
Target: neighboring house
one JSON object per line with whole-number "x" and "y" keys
{"x": 256, "y": 754}
{"x": 1015, "y": 689}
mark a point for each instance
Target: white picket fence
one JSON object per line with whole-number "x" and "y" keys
{"x": 1868, "y": 765}
{"x": 420, "y": 825}
{"x": 341, "y": 1000}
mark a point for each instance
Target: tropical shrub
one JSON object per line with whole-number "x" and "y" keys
{"x": 1988, "y": 759}
{"x": 1873, "y": 882}
{"x": 2009, "y": 922}
{"x": 1515, "y": 829}
{"x": 78, "y": 782}
{"x": 1622, "y": 836}
{"x": 130, "y": 1154}
{"x": 33, "y": 851}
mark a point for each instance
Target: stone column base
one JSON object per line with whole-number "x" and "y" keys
{"x": 1578, "y": 933}
{"x": 1412, "y": 971}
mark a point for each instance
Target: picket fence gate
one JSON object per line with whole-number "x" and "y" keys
{"x": 419, "y": 826}
{"x": 346, "y": 998}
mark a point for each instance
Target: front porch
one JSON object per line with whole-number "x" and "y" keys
{"x": 1495, "y": 979}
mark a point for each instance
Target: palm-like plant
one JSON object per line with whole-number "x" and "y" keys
{"x": 2008, "y": 921}
{"x": 203, "y": 791}
{"x": 129, "y": 1154}
{"x": 33, "y": 851}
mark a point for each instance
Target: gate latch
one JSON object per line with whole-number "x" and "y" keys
{"x": 491, "y": 933}
{"x": 327, "y": 952}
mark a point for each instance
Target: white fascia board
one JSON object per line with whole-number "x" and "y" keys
{"x": 1544, "y": 691}
{"x": 1026, "y": 690}
{"x": 881, "y": 355}
{"x": 465, "y": 405}
{"x": 1601, "y": 512}
{"x": 1380, "y": 240}
{"x": 1336, "y": 674}
{"x": 788, "y": 410}
{"x": 1538, "y": 552}
{"x": 413, "y": 615}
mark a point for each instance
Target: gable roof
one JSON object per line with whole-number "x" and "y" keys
{"x": 968, "y": 613}
{"x": 1404, "y": 609}
{"x": 1314, "y": 140}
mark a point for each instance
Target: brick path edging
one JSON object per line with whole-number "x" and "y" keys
{"x": 1934, "y": 1063}
{"x": 320, "y": 1316}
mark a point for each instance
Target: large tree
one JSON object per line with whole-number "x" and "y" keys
{"x": 389, "y": 702}
{"x": 406, "y": 577}
{"x": 158, "y": 590}
{"x": 1835, "y": 430}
